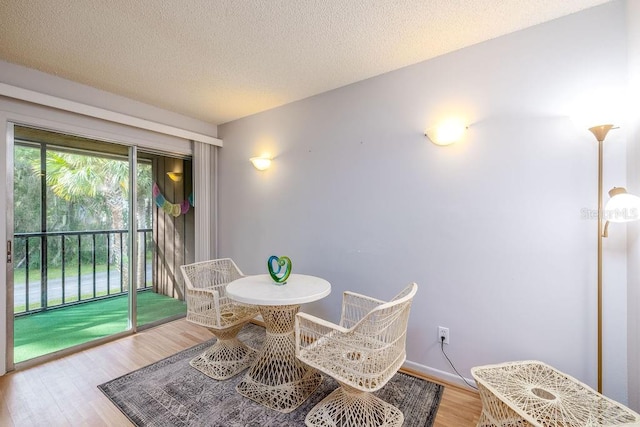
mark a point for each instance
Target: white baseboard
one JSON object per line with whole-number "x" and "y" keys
{"x": 436, "y": 373}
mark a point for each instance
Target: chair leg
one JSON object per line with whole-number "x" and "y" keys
{"x": 226, "y": 358}
{"x": 346, "y": 406}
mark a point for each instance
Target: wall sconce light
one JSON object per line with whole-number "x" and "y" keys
{"x": 447, "y": 133}
{"x": 261, "y": 163}
{"x": 175, "y": 176}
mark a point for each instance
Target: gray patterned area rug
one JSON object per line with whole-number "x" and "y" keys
{"x": 172, "y": 393}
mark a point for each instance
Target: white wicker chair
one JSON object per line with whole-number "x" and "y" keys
{"x": 208, "y": 305}
{"x": 362, "y": 353}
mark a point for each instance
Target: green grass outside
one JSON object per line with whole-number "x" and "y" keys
{"x": 70, "y": 270}
{"x": 43, "y": 333}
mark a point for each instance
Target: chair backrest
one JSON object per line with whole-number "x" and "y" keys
{"x": 211, "y": 275}
{"x": 407, "y": 292}
{"x": 388, "y": 322}
{"x": 394, "y": 313}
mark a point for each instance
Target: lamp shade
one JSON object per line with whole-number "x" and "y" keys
{"x": 175, "y": 176}
{"x": 261, "y": 163}
{"x": 622, "y": 206}
{"x": 601, "y": 131}
{"x": 447, "y": 133}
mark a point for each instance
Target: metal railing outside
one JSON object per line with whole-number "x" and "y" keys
{"x": 72, "y": 267}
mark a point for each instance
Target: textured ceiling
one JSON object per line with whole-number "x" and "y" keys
{"x": 219, "y": 60}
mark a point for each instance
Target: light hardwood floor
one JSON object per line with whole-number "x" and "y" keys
{"x": 64, "y": 392}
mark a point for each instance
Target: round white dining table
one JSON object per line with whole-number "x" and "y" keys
{"x": 277, "y": 379}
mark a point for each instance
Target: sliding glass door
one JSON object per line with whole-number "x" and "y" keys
{"x": 168, "y": 223}
{"x": 83, "y": 241}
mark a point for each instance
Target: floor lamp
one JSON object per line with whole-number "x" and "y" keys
{"x": 600, "y": 132}
{"x": 622, "y": 207}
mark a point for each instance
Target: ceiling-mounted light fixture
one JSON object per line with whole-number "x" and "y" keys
{"x": 261, "y": 163}
{"x": 447, "y": 132}
{"x": 175, "y": 176}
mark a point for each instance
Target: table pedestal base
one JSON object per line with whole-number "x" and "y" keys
{"x": 278, "y": 380}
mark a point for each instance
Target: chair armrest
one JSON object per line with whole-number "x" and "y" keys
{"x": 309, "y": 329}
{"x": 305, "y": 320}
{"x": 355, "y": 306}
{"x": 203, "y": 302}
{"x": 202, "y": 294}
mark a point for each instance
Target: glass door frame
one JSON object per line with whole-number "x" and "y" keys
{"x": 9, "y": 149}
{"x": 133, "y": 240}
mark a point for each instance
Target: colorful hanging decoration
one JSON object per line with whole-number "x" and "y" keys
{"x": 174, "y": 209}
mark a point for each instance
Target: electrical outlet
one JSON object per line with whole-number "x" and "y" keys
{"x": 443, "y": 332}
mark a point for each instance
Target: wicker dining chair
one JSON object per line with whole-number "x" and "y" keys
{"x": 362, "y": 353}
{"x": 208, "y": 305}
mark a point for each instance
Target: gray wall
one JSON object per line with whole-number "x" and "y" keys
{"x": 492, "y": 229}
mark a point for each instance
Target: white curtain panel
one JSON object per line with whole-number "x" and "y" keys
{"x": 205, "y": 162}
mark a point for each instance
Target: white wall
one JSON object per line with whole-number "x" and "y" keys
{"x": 490, "y": 229}
{"x": 14, "y": 111}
